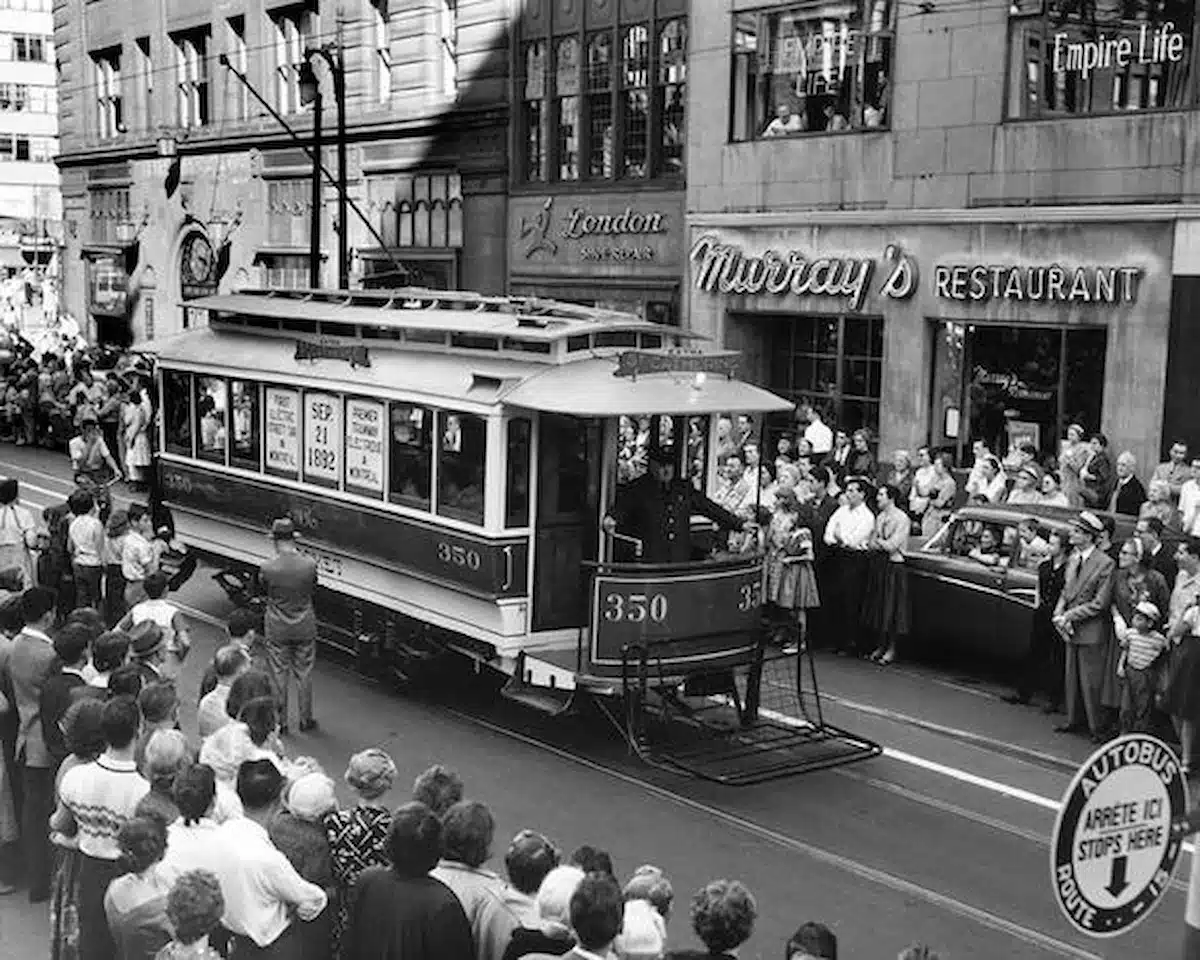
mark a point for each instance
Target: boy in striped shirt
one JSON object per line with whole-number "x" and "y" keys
{"x": 1141, "y": 647}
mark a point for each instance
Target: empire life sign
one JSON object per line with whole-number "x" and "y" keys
{"x": 1149, "y": 45}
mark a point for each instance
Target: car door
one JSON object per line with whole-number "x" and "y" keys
{"x": 1018, "y": 602}
{"x": 955, "y": 600}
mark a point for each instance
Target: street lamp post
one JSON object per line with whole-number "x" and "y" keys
{"x": 310, "y": 92}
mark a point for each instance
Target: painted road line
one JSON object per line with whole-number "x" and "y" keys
{"x": 848, "y": 865}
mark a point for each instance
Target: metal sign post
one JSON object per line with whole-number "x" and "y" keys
{"x": 1114, "y": 848}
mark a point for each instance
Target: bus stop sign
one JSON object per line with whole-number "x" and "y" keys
{"x": 1113, "y": 852}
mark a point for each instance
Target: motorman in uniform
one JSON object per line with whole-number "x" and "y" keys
{"x": 657, "y": 509}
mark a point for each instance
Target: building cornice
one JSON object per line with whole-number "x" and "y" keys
{"x": 895, "y": 217}
{"x": 266, "y": 135}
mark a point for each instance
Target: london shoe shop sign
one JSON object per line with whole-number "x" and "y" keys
{"x": 724, "y": 268}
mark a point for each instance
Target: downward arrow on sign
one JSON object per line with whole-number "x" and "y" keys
{"x": 1117, "y": 882}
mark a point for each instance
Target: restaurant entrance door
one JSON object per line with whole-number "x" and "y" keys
{"x": 1008, "y": 384}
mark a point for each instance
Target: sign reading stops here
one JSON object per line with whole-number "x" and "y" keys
{"x": 1113, "y": 853}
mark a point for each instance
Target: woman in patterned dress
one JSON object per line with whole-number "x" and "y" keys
{"x": 1071, "y": 460}
{"x": 358, "y": 835}
{"x": 791, "y": 587}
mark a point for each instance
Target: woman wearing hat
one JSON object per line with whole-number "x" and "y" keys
{"x": 298, "y": 833}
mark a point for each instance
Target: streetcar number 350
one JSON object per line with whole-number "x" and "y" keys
{"x": 457, "y": 555}
{"x": 635, "y": 608}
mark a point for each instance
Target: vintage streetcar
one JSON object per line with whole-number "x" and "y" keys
{"x": 449, "y": 460}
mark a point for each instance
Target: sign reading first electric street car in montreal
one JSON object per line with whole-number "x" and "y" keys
{"x": 1114, "y": 851}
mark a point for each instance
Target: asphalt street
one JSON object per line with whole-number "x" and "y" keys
{"x": 943, "y": 839}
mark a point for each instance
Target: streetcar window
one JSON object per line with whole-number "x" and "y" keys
{"x": 246, "y": 450}
{"x": 212, "y": 409}
{"x": 516, "y": 488}
{"x": 177, "y": 411}
{"x": 697, "y": 449}
{"x": 633, "y": 447}
{"x": 462, "y": 458}
{"x": 411, "y": 455}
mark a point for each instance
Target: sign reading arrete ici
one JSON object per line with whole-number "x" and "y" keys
{"x": 1114, "y": 852}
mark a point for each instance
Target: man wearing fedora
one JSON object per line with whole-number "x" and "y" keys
{"x": 1081, "y": 618}
{"x": 289, "y": 580}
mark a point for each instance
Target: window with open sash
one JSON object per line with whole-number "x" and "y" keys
{"x": 294, "y": 28}
{"x": 177, "y": 412}
{"x": 462, "y": 461}
{"x": 603, "y": 104}
{"x": 212, "y": 418}
{"x": 246, "y": 449}
{"x": 191, "y": 78}
{"x": 516, "y": 485}
{"x": 106, "y": 70}
{"x": 411, "y": 455}
{"x": 812, "y": 68}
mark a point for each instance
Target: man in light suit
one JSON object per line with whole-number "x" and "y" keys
{"x": 1082, "y": 620}
{"x": 30, "y": 659}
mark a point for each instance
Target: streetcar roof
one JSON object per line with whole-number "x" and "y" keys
{"x": 366, "y": 314}
{"x": 592, "y": 388}
{"x": 431, "y": 375}
{"x": 588, "y": 385}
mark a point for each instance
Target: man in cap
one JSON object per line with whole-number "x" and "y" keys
{"x": 90, "y": 457}
{"x": 148, "y": 650}
{"x": 289, "y": 581}
{"x": 1082, "y": 620}
{"x": 657, "y": 509}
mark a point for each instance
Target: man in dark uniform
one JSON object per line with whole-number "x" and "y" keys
{"x": 657, "y": 509}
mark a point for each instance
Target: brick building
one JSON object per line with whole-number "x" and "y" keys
{"x": 177, "y": 181}
{"x": 952, "y": 221}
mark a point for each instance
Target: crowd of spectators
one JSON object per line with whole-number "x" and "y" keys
{"x": 149, "y": 845}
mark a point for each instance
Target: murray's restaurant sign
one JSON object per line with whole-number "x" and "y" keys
{"x": 724, "y": 268}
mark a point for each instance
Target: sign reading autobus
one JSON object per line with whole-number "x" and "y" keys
{"x": 682, "y": 615}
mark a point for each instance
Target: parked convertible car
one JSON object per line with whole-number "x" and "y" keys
{"x": 980, "y": 611}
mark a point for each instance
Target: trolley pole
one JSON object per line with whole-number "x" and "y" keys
{"x": 310, "y": 92}
{"x": 314, "y": 230}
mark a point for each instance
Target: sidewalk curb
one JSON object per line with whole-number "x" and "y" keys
{"x": 1036, "y": 757}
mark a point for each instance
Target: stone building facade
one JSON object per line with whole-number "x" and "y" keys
{"x": 178, "y": 181}
{"x": 917, "y": 216}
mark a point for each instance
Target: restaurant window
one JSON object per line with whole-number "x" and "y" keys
{"x": 177, "y": 412}
{"x": 516, "y": 487}
{"x": 1072, "y": 59}
{"x": 566, "y": 106}
{"x": 191, "y": 78}
{"x": 106, "y": 72}
{"x": 212, "y": 416}
{"x": 616, "y": 104}
{"x": 411, "y": 455}
{"x": 535, "y": 118}
{"x": 462, "y": 459}
{"x": 805, "y": 69}
{"x": 246, "y": 450}
{"x": 1007, "y": 385}
{"x": 835, "y": 364}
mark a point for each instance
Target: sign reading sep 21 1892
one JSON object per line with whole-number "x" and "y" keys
{"x": 1114, "y": 852}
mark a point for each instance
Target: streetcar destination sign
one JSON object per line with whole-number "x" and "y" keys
{"x": 634, "y": 363}
{"x": 1113, "y": 851}
{"x": 354, "y": 354}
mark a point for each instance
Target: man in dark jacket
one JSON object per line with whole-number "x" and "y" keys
{"x": 1098, "y": 474}
{"x": 657, "y": 509}
{"x": 1128, "y": 492}
{"x": 1158, "y": 555}
{"x": 815, "y": 515}
{"x": 71, "y": 647}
